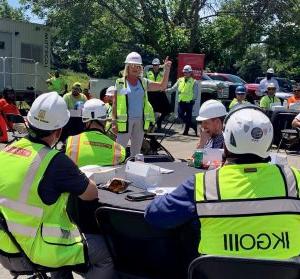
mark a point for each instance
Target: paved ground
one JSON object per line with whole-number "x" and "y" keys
{"x": 181, "y": 147}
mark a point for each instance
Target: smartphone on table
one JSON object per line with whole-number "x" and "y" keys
{"x": 141, "y": 196}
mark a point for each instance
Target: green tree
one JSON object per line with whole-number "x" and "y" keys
{"x": 6, "y": 11}
{"x": 95, "y": 35}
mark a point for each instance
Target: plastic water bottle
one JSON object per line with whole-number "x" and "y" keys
{"x": 285, "y": 104}
{"x": 139, "y": 158}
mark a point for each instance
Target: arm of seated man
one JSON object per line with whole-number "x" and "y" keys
{"x": 63, "y": 176}
{"x": 90, "y": 193}
{"x": 174, "y": 209}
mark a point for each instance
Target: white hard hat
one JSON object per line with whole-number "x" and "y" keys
{"x": 48, "y": 112}
{"x": 211, "y": 109}
{"x": 248, "y": 130}
{"x": 110, "y": 91}
{"x": 270, "y": 71}
{"x": 133, "y": 58}
{"x": 155, "y": 61}
{"x": 271, "y": 85}
{"x": 94, "y": 109}
{"x": 187, "y": 69}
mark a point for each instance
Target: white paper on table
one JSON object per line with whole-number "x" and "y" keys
{"x": 143, "y": 175}
{"x": 212, "y": 154}
{"x": 165, "y": 171}
{"x": 161, "y": 190}
{"x": 99, "y": 174}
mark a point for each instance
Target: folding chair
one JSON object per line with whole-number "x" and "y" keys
{"x": 152, "y": 144}
{"x": 289, "y": 138}
{"x": 281, "y": 121}
{"x": 139, "y": 250}
{"x": 215, "y": 267}
{"x": 16, "y": 119}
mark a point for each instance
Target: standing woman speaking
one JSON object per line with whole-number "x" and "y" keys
{"x": 132, "y": 112}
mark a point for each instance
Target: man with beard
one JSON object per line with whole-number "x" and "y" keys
{"x": 211, "y": 117}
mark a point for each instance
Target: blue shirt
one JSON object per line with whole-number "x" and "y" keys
{"x": 135, "y": 100}
{"x": 174, "y": 209}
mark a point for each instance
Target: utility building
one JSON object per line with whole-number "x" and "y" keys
{"x": 24, "y": 57}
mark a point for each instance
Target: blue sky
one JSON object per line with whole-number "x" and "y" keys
{"x": 16, "y": 4}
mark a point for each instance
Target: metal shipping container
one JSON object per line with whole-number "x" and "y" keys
{"x": 24, "y": 56}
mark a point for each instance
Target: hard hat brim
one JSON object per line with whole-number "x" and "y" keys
{"x": 201, "y": 118}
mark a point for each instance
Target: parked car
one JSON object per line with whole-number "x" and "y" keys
{"x": 233, "y": 82}
{"x": 213, "y": 89}
{"x": 227, "y": 77}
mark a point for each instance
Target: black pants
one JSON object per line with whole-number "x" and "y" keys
{"x": 185, "y": 110}
{"x": 160, "y": 103}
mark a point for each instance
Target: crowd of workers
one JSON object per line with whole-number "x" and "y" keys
{"x": 246, "y": 200}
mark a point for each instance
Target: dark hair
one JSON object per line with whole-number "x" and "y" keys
{"x": 102, "y": 93}
{"x": 246, "y": 158}
{"x": 37, "y": 133}
{"x": 6, "y": 90}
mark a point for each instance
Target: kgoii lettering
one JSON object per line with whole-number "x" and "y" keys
{"x": 261, "y": 241}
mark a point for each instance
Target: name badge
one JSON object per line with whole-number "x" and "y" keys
{"x": 247, "y": 170}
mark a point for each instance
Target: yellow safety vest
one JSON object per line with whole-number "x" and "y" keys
{"x": 157, "y": 78}
{"x": 44, "y": 232}
{"x": 94, "y": 148}
{"x": 185, "y": 89}
{"x": 249, "y": 210}
{"x": 122, "y": 109}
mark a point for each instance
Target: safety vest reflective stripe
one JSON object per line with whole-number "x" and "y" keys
{"x": 60, "y": 233}
{"x": 21, "y": 229}
{"x": 35, "y": 164}
{"x": 211, "y": 184}
{"x": 74, "y": 148}
{"x": 248, "y": 207}
{"x": 21, "y": 207}
{"x": 117, "y": 153}
{"x": 290, "y": 180}
{"x": 47, "y": 231}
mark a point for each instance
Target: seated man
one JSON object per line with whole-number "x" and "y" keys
{"x": 8, "y": 106}
{"x": 93, "y": 147}
{"x": 240, "y": 93}
{"x": 211, "y": 116}
{"x": 296, "y": 98}
{"x": 34, "y": 199}
{"x": 266, "y": 102}
{"x": 248, "y": 207}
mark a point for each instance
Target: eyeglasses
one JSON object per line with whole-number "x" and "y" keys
{"x": 135, "y": 66}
